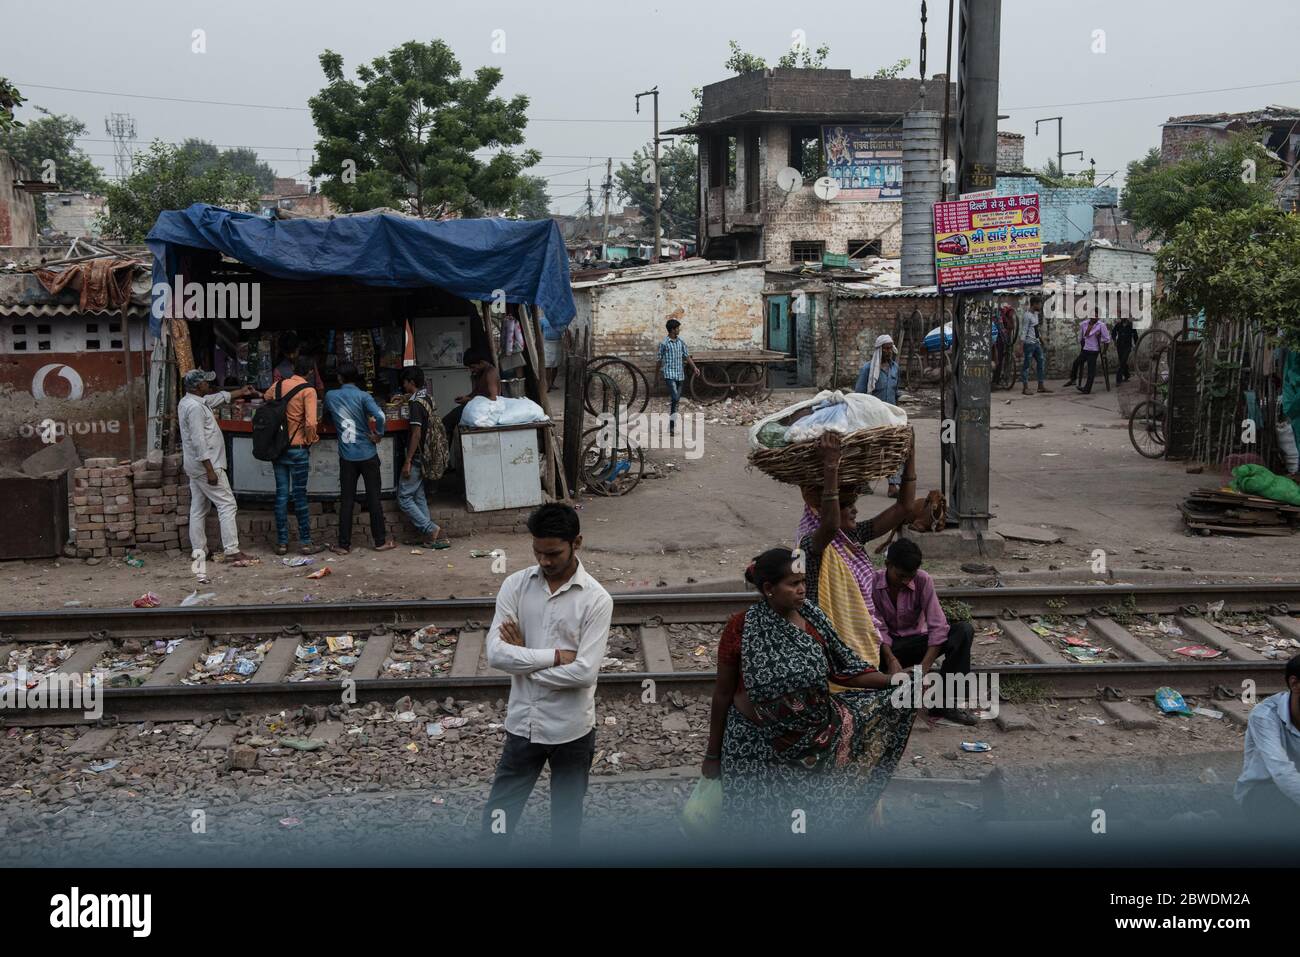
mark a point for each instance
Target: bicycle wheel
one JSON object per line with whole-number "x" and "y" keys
{"x": 611, "y": 468}
{"x": 1146, "y": 429}
{"x": 1151, "y": 357}
{"x": 713, "y": 384}
{"x": 620, "y": 376}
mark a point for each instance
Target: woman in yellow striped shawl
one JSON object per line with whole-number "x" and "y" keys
{"x": 834, "y": 542}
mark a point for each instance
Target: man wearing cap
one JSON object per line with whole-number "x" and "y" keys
{"x": 203, "y": 449}
{"x": 879, "y": 377}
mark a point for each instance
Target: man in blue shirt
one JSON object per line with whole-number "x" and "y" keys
{"x": 673, "y": 359}
{"x": 1269, "y": 787}
{"x": 360, "y": 424}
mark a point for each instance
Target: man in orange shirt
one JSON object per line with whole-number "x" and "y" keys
{"x": 293, "y": 468}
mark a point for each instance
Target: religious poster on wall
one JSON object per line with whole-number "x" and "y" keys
{"x": 865, "y": 161}
{"x": 988, "y": 243}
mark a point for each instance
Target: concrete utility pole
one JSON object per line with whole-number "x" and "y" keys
{"x": 654, "y": 91}
{"x": 1060, "y": 144}
{"x": 609, "y": 185}
{"x": 977, "y": 153}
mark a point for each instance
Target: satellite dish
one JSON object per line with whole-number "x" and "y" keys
{"x": 826, "y": 188}
{"x": 789, "y": 179}
{"x": 648, "y": 174}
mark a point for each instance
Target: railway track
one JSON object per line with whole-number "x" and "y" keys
{"x": 181, "y": 663}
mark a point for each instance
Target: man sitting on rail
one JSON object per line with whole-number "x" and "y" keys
{"x": 1269, "y": 787}
{"x": 916, "y": 629}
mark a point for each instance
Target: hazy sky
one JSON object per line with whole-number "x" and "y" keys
{"x": 580, "y": 64}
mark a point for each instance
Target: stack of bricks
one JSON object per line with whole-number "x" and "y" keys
{"x": 162, "y": 503}
{"x": 104, "y": 509}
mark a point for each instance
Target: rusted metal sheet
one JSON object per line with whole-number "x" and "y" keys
{"x": 36, "y": 523}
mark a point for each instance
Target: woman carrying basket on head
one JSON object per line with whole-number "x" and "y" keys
{"x": 777, "y": 736}
{"x": 839, "y": 573}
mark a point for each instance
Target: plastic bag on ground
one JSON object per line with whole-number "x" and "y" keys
{"x": 704, "y": 807}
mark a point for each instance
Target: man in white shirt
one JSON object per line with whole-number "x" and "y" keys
{"x": 549, "y": 633}
{"x": 203, "y": 449}
{"x": 1269, "y": 787}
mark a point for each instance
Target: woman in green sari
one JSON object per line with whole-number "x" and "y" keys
{"x": 781, "y": 741}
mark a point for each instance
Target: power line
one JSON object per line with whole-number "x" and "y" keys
{"x": 1153, "y": 96}
{"x": 267, "y": 106}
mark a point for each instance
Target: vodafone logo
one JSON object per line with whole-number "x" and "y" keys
{"x": 75, "y": 386}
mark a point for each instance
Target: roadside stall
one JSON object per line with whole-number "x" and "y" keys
{"x": 381, "y": 291}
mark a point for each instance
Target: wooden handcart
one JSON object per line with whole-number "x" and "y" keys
{"x": 733, "y": 373}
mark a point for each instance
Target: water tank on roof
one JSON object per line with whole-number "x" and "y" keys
{"x": 922, "y": 188}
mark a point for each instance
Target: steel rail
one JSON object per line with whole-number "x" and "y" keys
{"x": 630, "y": 608}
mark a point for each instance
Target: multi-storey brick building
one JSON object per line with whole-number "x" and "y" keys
{"x": 819, "y": 122}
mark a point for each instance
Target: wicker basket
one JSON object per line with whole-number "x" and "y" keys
{"x": 864, "y": 456}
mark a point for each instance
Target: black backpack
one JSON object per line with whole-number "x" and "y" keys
{"x": 271, "y": 425}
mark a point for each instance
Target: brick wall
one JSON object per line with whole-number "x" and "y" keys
{"x": 17, "y": 208}
{"x": 718, "y": 310}
{"x": 1067, "y": 212}
{"x": 1011, "y": 152}
{"x": 857, "y": 323}
{"x": 1175, "y": 140}
{"x": 119, "y": 508}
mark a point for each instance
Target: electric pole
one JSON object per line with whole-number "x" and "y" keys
{"x": 977, "y": 153}
{"x": 609, "y": 185}
{"x": 654, "y": 91}
{"x": 121, "y": 127}
{"x": 1060, "y": 145}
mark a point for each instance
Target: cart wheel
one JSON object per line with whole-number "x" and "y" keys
{"x": 614, "y": 470}
{"x": 1146, "y": 429}
{"x": 1151, "y": 358}
{"x": 711, "y": 385}
{"x": 749, "y": 379}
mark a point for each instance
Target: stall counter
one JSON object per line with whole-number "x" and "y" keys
{"x": 254, "y": 480}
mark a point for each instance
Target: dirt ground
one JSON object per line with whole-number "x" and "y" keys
{"x": 703, "y": 518}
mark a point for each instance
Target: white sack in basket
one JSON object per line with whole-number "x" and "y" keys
{"x": 860, "y": 412}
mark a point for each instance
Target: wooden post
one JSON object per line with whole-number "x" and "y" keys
{"x": 575, "y": 379}
{"x": 532, "y": 337}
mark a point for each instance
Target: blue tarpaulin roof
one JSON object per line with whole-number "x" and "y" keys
{"x": 471, "y": 258}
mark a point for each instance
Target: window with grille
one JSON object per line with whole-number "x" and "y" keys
{"x": 806, "y": 252}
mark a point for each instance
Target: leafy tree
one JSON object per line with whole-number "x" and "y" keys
{"x": 206, "y": 156}
{"x": 1053, "y": 175}
{"x": 405, "y": 133}
{"x": 1231, "y": 175}
{"x": 1138, "y": 167}
{"x": 892, "y": 72}
{"x": 531, "y": 200}
{"x": 164, "y": 178}
{"x": 53, "y": 136}
{"x": 10, "y": 99}
{"x": 677, "y": 187}
{"x": 1234, "y": 263}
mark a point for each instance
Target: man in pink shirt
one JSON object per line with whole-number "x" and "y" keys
{"x": 1093, "y": 334}
{"x": 916, "y": 629}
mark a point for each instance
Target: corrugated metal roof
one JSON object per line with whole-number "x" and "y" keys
{"x": 23, "y": 295}
{"x": 670, "y": 270}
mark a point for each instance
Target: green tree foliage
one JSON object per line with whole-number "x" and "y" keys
{"x": 1135, "y": 168}
{"x": 53, "y": 136}
{"x": 892, "y": 72}
{"x": 10, "y": 99}
{"x": 531, "y": 199}
{"x": 1235, "y": 263}
{"x": 164, "y": 178}
{"x": 205, "y": 156}
{"x": 1052, "y": 175}
{"x": 404, "y": 134}
{"x": 1232, "y": 175}
{"x": 677, "y": 187}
